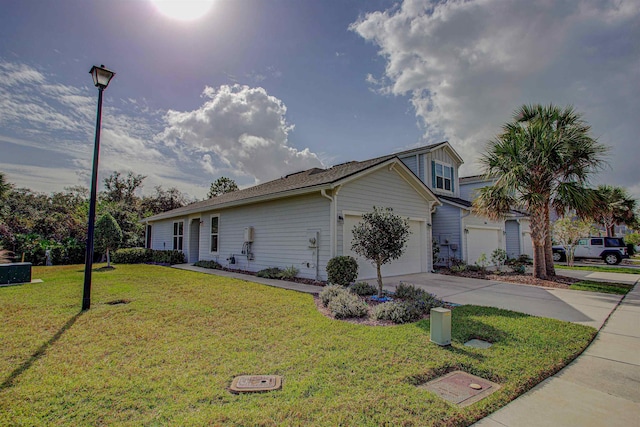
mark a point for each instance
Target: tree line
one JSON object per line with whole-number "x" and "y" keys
{"x": 32, "y": 223}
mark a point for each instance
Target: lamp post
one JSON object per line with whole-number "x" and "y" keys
{"x": 101, "y": 78}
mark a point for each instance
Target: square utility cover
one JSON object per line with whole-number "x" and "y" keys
{"x": 461, "y": 388}
{"x": 253, "y": 383}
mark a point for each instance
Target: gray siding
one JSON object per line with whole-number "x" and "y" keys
{"x": 441, "y": 155}
{"x": 446, "y": 226}
{"x": 280, "y": 235}
{"x": 467, "y": 190}
{"x": 512, "y": 228}
{"x": 382, "y": 188}
{"x": 162, "y": 234}
{"x": 412, "y": 163}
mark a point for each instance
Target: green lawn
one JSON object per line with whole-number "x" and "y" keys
{"x": 625, "y": 270}
{"x": 605, "y": 287}
{"x": 168, "y": 356}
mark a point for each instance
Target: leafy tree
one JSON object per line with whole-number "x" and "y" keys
{"x": 163, "y": 201}
{"x": 633, "y": 238}
{"x": 122, "y": 189}
{"x": 542, "y": 159}
{"x": 5, "y": 186}
{"x": 5, "y": 256}
{"x": 614, "y": 207}
{"x": 567, "y": 231}
{"x": 108, "y": 235}
{"x": 222, "y": 186}
{"x": 381, "y": 238}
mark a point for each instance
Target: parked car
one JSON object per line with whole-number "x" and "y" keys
{"x": 610, "y": 249}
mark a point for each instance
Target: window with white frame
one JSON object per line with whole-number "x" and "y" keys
{"x": 443, "y": 176}
{"x": 178, "y": 235}
{"x": 215, "y": 226}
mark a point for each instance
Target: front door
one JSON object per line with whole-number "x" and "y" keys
{"x": 194, "y": 240}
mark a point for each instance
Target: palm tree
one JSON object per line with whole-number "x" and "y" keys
{"x": 542, "y": 159}
{"x": 614, "y": 207}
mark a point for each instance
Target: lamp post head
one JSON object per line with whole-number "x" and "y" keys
{"x": 101, "y": 76}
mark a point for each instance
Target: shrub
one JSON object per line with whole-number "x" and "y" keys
{"x": 482, "y": 262}
{"x": 330, "y": 292}
{"x": 288, "y": 273}
{"x": 518, "y": 268}
{"x": 269, "y": 273}
{"x": 132, "y": 256}
{"x": 345, "y": 305}
{"x": 396, "y": 311}
{"x": 208, "y": 264}
{"x": 342, "y": 270}
{"x": 416, "y": 298}
{"x": 498, "y": 257}
{"x": 458, "y": 268}
{"x": 168, "y": 257}
{"x": 363, "y": 289}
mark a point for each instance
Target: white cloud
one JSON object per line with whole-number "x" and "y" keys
{"x": 239, "y": 131}
{"x": 468, "y": 64}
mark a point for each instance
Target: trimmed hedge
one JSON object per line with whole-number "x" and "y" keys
{"x": 347, "y": 305}
{"x": 342, "y": 270}
{"x": 142, "y": 255}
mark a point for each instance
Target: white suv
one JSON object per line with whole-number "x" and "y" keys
{"x": 610, "y": 249}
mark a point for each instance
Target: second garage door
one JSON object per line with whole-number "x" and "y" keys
{"x": 412, "y": 261}
{"x": 482, "y": 240}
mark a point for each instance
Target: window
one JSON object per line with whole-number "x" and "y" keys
{"x": 178, "y": 235}
{"x": 597, "y": 242}
{"x": 148, "y": 236}
{"x": 215, "y": 221}
{"x": 443, "y": 175}
{"x": 583, "y": 242}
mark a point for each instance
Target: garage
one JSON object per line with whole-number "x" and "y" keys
{"x": 482, "y": 240}
{"x": 412, "y": 261}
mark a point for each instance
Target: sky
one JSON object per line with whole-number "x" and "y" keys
{"x": 256, "y": 89}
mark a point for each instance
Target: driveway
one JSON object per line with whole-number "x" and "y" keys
{"x": 586, "y": 308}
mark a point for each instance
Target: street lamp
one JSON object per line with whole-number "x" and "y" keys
{"x": 101, "y": 78}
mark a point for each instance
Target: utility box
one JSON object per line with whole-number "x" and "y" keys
{"x": 17, "y": 272}
{"x": 440, "y": 326}
{"x": 248, "y": 235}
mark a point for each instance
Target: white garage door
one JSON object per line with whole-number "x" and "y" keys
{"x": 412, "y": 261}
{"x": 482, "y": 240}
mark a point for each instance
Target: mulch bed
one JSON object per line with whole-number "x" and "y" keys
{"x": 558, "y": 282}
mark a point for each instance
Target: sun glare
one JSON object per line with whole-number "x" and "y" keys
{"x": 183, "y": 10}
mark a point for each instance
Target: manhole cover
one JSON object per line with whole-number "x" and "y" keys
{"x": 461, "y": 388}
{"x": 253, "y": 383}
{"x": 478, "y": 344}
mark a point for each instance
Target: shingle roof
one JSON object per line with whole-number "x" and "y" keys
{"x": 456, "y": 200}
{"x": 296, "y": 181}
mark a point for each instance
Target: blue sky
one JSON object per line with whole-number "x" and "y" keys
{"x": 256, "y": 89}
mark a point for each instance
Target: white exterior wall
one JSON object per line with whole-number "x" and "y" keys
{"x": 281, "y": 230}
{"x": 162, "y": 234}
{"x": 474, "y": 221}
{"x": 383, "y": 188}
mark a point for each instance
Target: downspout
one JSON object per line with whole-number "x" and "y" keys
{"x": 332, "y": 221}
{"x": 463, "y": 236}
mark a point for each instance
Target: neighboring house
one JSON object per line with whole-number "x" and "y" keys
{"x": 303, "y": 219}
{"x": 459, "y": 233}
{"x": 516, "y": 227}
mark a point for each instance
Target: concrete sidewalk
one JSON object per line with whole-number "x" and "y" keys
{"x": 600, "y": 388}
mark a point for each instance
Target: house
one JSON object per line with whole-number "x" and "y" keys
{"x": 516, "y": 226}
{"x": 456, "y": 230}
{"x": 303, "y": 219}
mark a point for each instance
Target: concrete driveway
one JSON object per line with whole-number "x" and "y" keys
{"x": 586, "y": 308}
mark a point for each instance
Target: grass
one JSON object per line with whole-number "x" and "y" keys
{"x": 626, "y": 270}
{"x": 607, "y": 288}
{"x": 168, "y": 356}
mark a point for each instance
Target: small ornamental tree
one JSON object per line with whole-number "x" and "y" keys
{"x": 567, "y": 232}
{"x": 381, "y": 237}
{"x": 108, "y": 235}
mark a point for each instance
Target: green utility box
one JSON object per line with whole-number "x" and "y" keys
{"x": 17, "y": 272}
{"x": 440, "y": 326}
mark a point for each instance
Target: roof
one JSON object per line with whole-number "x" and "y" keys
{"x": 293, "y": 184}
{"x": 456, "y": 201}
{"x": 475, "y": 179}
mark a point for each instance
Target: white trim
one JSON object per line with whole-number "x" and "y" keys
{"x": 215, "y": 215}
{"x": 175, "y": 238}
{"x": 483, "y": 227}
{"x": 451, "y": 174}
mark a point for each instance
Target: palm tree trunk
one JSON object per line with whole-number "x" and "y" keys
{"x": 538, "y": 240}
{"x": 548, "y": 250}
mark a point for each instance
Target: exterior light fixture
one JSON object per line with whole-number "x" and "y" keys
{"x": 101, "y": 78}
